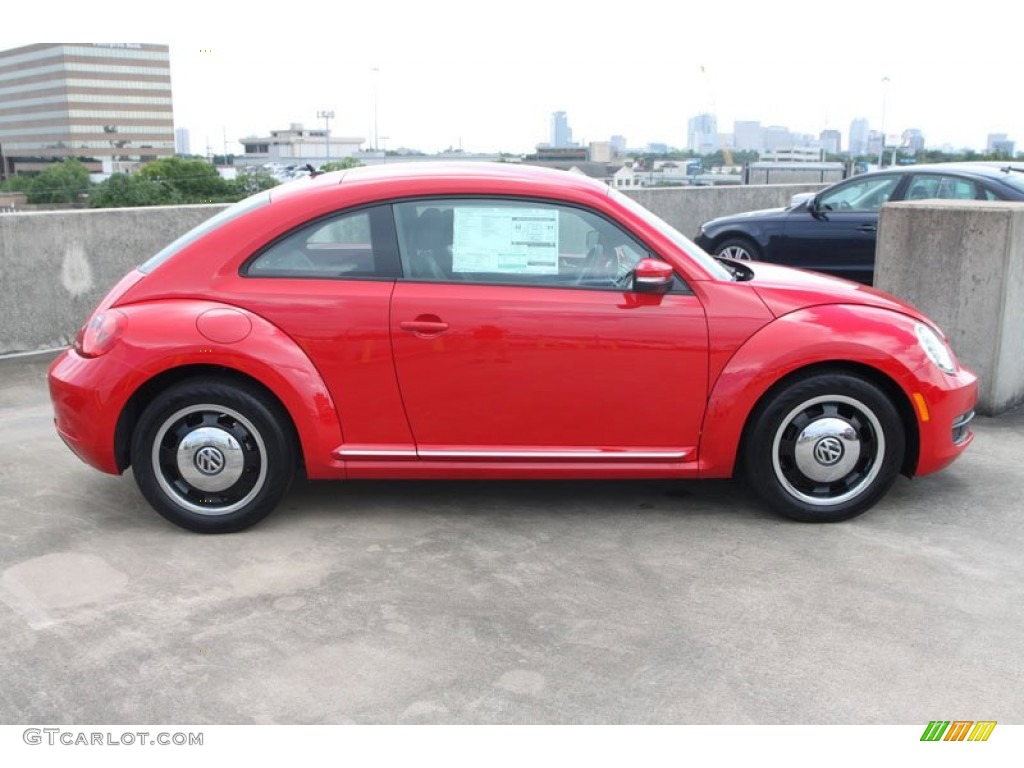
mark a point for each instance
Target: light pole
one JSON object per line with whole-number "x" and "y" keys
{"x": 376, "y": 80}
{"x": 326, "y": 115}
{"x": 881, "y": 148}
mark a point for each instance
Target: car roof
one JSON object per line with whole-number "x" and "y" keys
{"x": 448, "y": 173}
{"x": 460, "y": 170}
{"x": 988, "y": 168}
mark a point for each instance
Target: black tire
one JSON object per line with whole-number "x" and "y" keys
{"x": 738, "y": 248}
{"x": 212, "y": 455}
{"x": 824, "y": 448}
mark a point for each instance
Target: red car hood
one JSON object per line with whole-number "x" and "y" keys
{"x": 786, "y": 290}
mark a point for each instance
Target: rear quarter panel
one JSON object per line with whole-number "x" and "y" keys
{"x": 161, "y": 336}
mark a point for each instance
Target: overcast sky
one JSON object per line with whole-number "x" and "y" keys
{"x": 488, "y": 74}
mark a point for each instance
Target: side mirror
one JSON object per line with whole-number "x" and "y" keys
{"x": 652, "y": 276}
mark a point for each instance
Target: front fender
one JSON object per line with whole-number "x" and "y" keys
{"x": 860, "y": 335}
{"x": 161, "y": 336}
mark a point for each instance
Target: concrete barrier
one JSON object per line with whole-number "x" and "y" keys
{"x": 962, "y": 263}
{"x": 56, "y": 266}
{"x": 686, "y": 208}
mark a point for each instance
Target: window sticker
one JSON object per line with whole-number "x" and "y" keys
{"x": 521, "y": 241}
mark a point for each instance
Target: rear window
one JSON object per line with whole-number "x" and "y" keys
{"x": 233, "y": 212}
{"x": 1014, "y": 180}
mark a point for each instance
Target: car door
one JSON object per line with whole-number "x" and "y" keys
{"x": 837, "y": 231}
{"x": 515, "y": 340}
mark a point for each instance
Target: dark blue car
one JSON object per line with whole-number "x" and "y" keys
{"x": 834, "y": 231}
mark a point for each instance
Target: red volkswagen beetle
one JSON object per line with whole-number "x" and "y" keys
{"x": 494, "y": 321}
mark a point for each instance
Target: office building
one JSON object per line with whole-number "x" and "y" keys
{"x": 108, "y": 104}
{"x": 747, "y": 135}
{"x": 998, "y": 143}
{"x": 182, "y": 142}
{"x": 831, "y": 141}
{"x": 912, "y": 140}
{"x": 777, "y": 137}
{"x": 859, "y": 130}
{"x": 702, "y": 134}
{"x": 561, "y": 133}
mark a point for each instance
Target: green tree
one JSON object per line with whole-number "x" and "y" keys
{"x": 188, "y": 181}
{"x": 61, "y": 182}
{"x": 19, "y": 183}
{"x": 124, "y": 191}
{"x": 340, "y": 165}
{"x": 246, "y": 184}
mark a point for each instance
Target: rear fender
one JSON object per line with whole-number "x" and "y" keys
{"x": 160, "y": 337}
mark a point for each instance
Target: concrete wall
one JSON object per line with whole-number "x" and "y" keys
{"x": 56, "y": 266}
{"x": 962, "y": 264}
{"x": 686, "y": 208}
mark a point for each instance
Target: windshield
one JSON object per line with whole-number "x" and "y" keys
{"x": 682, "y": 242}
{"x": 234, "y": 211}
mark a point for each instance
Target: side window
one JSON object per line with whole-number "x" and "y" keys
{"x": 513, "y": 242}
{"x": 352, "y": 245}
{"x": 860, "y": 195}
{"x": 923, "y": 188}
{"x": 937, "y": 187}
{"x": 953, "y": 188}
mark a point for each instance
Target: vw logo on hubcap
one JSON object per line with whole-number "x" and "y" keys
{"x": 209, "y": 460}
{"x": 828, "y": 451}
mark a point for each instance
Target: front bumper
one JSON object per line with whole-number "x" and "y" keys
{"x": 949, "y": 408}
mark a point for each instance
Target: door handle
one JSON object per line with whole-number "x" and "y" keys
{"x": 867, "y": 228}
{"x": 424, "y": 325}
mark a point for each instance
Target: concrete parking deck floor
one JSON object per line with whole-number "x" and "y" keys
{"x": 506, "y": 602}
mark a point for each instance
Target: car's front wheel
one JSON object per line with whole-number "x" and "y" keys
{"x": 213, "y": 456}
{"x": 824, "y": 448}
{"x": 738, "y": 248}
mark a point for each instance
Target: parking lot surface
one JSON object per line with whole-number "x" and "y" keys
{"x": 503, "y": 602}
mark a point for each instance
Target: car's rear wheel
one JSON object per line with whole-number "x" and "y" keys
{"x": 824, "y": 448}
{"x": 738, "y": 248}
{"x": 213, "y": 456}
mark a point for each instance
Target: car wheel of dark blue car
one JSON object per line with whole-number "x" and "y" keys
{"x": 738, "y": 248}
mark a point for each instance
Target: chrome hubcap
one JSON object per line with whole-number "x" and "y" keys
{"x": 210, "y": 459}
{"x": 828, "y": 450}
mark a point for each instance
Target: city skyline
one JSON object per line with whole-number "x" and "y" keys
{"x": 442, "y": 76}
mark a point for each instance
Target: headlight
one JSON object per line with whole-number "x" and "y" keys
{"x": 936, "y": 349}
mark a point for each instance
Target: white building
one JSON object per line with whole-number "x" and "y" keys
{"x": 702, "y": 134}
{"x": 297, "y": 145}
{"x": 182, "y": 142}
{"x": 792, "y": 155}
